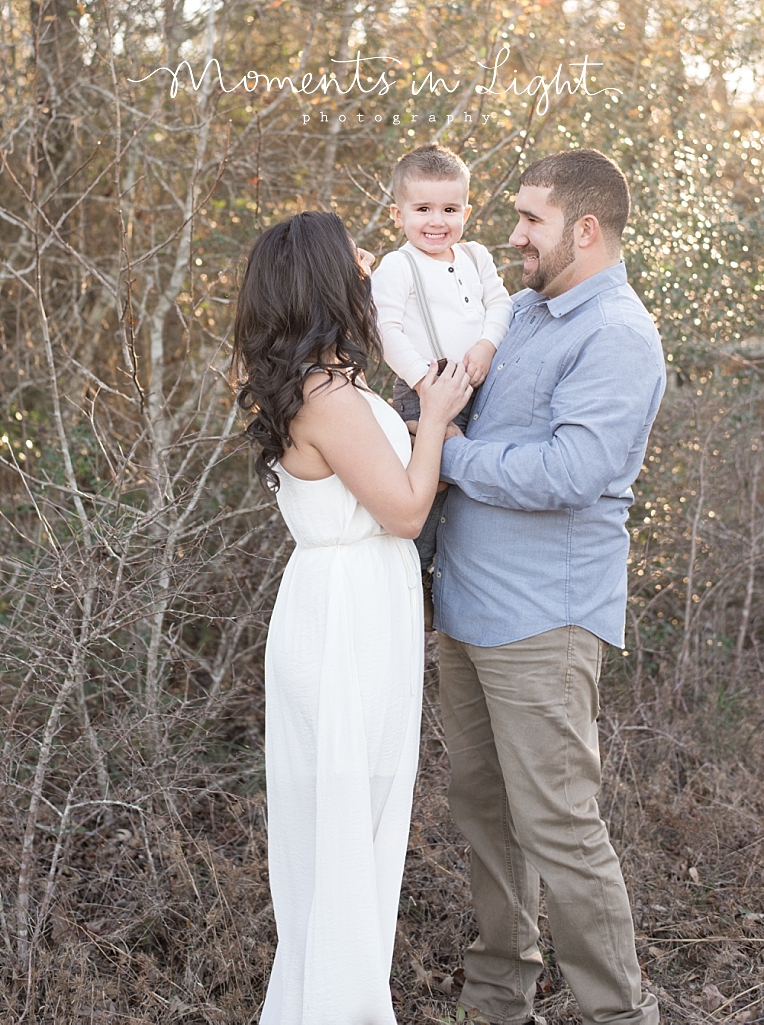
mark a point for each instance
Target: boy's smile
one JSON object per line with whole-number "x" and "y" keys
{"x": 432, "y": 215}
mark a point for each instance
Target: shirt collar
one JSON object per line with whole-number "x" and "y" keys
{"x": 426, "y": 258}
{"x": 611, "y": 277}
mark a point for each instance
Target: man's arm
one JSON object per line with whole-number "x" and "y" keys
{"x": 602, "y": 408}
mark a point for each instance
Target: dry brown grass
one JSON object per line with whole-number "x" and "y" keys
{"x": 685, "y": 805}
{"x": 139, "y": 562}
{"x": 191, "y": 938}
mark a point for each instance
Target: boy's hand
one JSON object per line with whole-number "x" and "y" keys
{"x": 477, "y": 361}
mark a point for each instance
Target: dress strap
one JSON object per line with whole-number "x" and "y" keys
{"x": 310, "y": 368}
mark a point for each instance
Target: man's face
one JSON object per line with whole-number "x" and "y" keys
{"x": 543, "y": 239}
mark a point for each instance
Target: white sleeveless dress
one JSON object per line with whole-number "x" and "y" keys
{"x": 343, "y": 686}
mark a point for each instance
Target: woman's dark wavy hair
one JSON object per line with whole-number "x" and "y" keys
{"x": 304, "y": 299}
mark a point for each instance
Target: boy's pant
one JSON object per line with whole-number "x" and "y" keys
{"x": 406, "y": 404}
{"x": 520, "y": 725}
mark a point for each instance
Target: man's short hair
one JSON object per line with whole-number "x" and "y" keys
{"x": 584, "y": 181}
{"x": 429, "y": 163}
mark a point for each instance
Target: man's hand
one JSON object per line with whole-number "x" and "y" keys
{"x": 477, "y": 361}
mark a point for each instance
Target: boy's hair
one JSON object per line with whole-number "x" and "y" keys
{"x": 429, "y": 163}
{"x": 584, "y": 181}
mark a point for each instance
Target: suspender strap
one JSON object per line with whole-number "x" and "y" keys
{"x": 424, "y": 306}
{"x": 465, "y": 248}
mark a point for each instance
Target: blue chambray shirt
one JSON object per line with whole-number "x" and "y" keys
{"x": 533, "y": 535}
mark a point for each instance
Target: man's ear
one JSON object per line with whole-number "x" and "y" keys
{"x": 587, "y": 230}
{"x": 396, "y": 215}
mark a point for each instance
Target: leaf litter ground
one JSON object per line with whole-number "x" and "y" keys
{"x": 192, "y": 940}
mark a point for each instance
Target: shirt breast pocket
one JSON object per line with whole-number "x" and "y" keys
{"x": 513, "y": 394}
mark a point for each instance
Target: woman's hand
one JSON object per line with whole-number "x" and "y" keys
{"x": 365, "y": 258}
{"x": 443, "y": 396}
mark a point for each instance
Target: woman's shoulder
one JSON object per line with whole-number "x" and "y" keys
{"x": 333, "y": 407}
{"x": 331, "y": 387}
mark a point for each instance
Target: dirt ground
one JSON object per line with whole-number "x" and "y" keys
{"x": 167, "y": 918}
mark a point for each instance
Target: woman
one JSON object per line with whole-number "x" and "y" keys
{"x": 343, "y": 663}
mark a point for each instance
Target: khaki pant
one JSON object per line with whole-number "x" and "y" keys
{"x": 520, "y": 723}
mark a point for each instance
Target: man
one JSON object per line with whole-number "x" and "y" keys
{"x": 530, "y": 584}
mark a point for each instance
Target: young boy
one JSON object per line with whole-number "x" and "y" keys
{"x": 435, "y": 297}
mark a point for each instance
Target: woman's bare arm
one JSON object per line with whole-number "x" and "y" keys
{"x": 337, "y": 432}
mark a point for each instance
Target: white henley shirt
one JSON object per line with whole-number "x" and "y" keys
{"x": 467, "y": 303}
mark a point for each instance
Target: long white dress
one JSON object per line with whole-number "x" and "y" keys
{"x": 343, "y": 686}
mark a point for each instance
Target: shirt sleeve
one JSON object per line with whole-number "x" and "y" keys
{"x": 496, "y": 300}
{"x": 602, "y": 409}
{"x": 391, "y": 284}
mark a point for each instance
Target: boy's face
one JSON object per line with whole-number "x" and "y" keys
{"x": 432, "y": 215}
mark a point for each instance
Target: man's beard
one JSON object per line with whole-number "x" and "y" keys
{"x": 554, "y": 263}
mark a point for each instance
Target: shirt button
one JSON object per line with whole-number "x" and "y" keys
{"x": 466, "y": 299}
{"x": 438, "y": 574}
{"x": 500, "y": 366}
{"x": 443, "y": 519}
{"x": 450, "y": 270}
{"x": 476, "y": 415}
